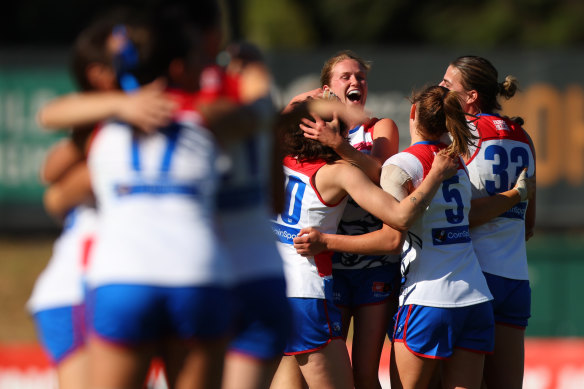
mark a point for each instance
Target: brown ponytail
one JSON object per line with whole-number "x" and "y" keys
{"x": 508, "y": 87}
{"x": 439, "y": 111}
{"x": 477, "y": 73}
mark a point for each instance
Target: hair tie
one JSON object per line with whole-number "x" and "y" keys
{"x": 125, "y": 60}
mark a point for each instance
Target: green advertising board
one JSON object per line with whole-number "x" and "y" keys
{"x": 23, "y": 144}
{"x": 551, "y": 100}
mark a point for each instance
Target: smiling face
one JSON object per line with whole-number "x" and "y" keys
{"x": 349, "y": 82}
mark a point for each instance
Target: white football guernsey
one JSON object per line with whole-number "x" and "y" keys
{"x": 156, "y": 199}
{"x": 503, "y": 150}
{"x": 305, "y": 208}
{"x": 243, "y": 202}
{"x": 61, "y": 283}
{"x": 439, "y": 267}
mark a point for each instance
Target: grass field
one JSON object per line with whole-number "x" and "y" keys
{"x": 21, "y": 261}
{"x": 556, "y": 270}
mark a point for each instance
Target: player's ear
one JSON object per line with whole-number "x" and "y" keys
{"x": 413, "y": 112}
{"x": 471, "y": 97}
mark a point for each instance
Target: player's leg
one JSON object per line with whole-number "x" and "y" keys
{"x": 247, "y": 372}
{"x": 113, "y": 366}
{"x": 327, "y": 368}
{"x": 72, "y": 371}
{"x": 369, "y": 330}
{"x": 512, "y": 309}
{"x": 463, "y": 370}
{"x": 504, "y": 368}
{"x": 197, "y": 364}
{"x": 201, "y": 319}
{"x": 411, "y": 371}
{"x": 288, "y": 375}
{"x": 375, "y": 298}
{"x": 263, "y": 328}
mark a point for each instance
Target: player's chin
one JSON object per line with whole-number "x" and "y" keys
{"x": 355, "y": 103}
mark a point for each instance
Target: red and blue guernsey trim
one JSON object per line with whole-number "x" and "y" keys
{"x": 493, "y": 126}
{"x": 367, "y": 127}
{"x": 425, "y": 151}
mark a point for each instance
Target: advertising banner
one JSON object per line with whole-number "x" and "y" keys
{"x": 550, "y": 100}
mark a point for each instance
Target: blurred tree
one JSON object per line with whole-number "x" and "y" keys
{"x": 293, "y": 24}
{"x": 462, "y": 23}
{"x": 278, "y": 23}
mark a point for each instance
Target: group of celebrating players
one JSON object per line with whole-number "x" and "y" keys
{"x": 237, "y": 242}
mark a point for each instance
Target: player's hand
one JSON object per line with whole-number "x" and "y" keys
{"x": 310, "y": 95}
{"x": 445, "y": 165}
{"x": 309, "y": 242}
{"x": 149, "y": 108}
{"x": 525, "y": 185}
{"x": 327, "y": 133}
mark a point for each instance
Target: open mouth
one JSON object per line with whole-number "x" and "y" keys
{"x": 354, "y": 95}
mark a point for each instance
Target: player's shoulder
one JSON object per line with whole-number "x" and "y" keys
{"x": 381, "y": 124}
{"x": 492, "y": 126}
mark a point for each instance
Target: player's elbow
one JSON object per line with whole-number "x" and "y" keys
{"x": 43, "y": 119}
{"x": 392, "y": 244}
{"x": 402, "y": 222}
{"x": 52, "y": 201}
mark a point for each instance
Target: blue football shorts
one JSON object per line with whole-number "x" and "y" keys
{"x": 357, "y": 287}
{"x": 133, "y": 314}
{"x": 511, "y": 300}
{"x": 263, "y": 318}
{"x": 61, "y": 330}
{"x": 315, "y": 323}
{"x": 433, "y": 332}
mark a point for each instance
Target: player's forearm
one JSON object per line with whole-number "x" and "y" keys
{"x": 373, "y": 243}
{"x": 69, "y": 192}
{"x": 59, "y": 160}
{"x": 487, "y": 208}
{"x": 369, "y": 165}
{"x": 231, "y": 122}
{"x": 79, "y": 109}
{"x": 416, "y": 203}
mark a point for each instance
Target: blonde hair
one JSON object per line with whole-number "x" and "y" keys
{"x": 327, "y": 69}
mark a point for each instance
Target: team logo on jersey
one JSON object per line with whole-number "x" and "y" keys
{"x": 500, "y": 125}
{"x": 450, "y": 235}
{"x": 517, "y": 212}
{"x": 156, "y": 189}
{"x": 285, "y": 234}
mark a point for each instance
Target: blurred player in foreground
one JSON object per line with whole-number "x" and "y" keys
{"x": 246, "y": 199}
{"x": 158, "y": 274}
{"x": 58, "y": 298}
